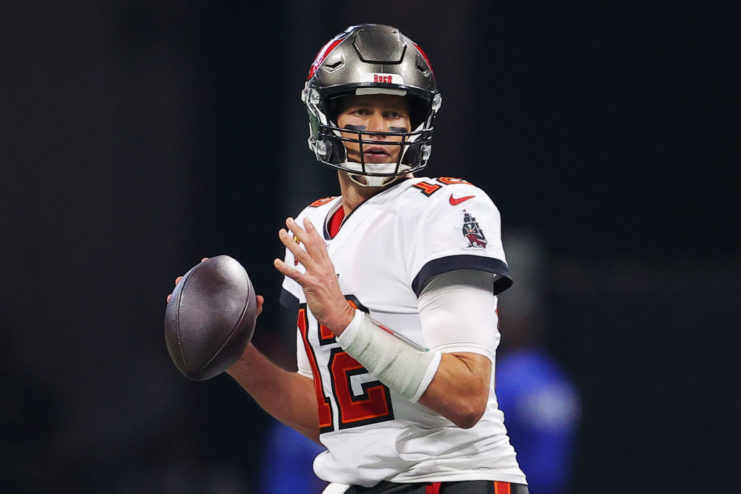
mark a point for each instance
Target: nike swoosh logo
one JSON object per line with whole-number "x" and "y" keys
{"x": 455, "y": 202}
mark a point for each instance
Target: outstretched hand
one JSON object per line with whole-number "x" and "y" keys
{"x": 323, "y": 294}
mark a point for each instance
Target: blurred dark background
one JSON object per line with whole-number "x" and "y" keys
{"x": 138, "y": 136}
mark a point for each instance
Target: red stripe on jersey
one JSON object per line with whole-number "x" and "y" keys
{"x": 433, "y": 488}
{"x": 502, "y": 488}
{"x": 323, "y": 403}
{"x": 385, "y": 329}
{"x": 335, "y": 222}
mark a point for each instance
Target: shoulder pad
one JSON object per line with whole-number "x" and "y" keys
{"x": 322, "y": 201}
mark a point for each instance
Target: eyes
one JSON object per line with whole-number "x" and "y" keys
{"x": 365, "y": 112}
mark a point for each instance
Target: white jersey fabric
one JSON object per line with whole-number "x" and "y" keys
{"x": 384, "y": 254}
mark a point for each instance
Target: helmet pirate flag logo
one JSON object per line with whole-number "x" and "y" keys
{"x": 472, "y": 231}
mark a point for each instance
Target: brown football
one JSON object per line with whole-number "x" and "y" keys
{"x": 210, "y": 318}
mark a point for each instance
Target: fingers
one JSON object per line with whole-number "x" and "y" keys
{"x": 260, "y": 301}
{"x": 309, "y": 237}
{"x": 310, "y": 255}
{"x": 177, "y": 280}
{"x": 309, "y": 226}
{"x": 298, "y": 252}
{"x": 299, "y": 233}
{"x": 306, "y": 235}
{"x": 286, "y": 270}
{"x": 316, "y": 245}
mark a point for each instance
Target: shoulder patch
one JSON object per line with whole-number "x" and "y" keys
{"x": 472, "y": 231}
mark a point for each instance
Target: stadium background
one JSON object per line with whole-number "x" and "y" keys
{"x": 137, "y": 137}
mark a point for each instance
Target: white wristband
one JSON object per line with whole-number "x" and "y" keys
{"x": 399, "y": 364}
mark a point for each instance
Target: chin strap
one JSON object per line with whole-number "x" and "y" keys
{"x": 366, "y": 181}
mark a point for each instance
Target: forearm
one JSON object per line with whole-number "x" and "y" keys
{"x": 457, "y": 312}
{"x": 455, "y": 385}
{"x": 287, "y": 396}
{"x": 458, "y": 391}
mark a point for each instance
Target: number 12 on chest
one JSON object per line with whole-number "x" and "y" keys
{"x": 371, "y": 406}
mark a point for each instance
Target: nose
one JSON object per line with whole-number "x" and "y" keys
{"x": 376, "y": 123}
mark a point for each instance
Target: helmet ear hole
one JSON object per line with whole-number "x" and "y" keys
{"x": 417, "y": 111}
{"x": 334, "y": 107}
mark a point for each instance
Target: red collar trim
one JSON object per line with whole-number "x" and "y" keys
{"x": 335, "y": 222}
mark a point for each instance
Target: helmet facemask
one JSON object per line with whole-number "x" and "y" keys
{"x": 371, "y": 59}
{"x": 328, "y": 140}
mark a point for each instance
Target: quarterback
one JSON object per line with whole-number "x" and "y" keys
{"x": 395, "y": 285}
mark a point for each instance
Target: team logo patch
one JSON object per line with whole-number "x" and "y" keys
{"x": 472, "y": 231}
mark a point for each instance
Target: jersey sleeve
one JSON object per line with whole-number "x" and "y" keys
{"x": 460, "y": 229}
{"x": 457, "y": 310}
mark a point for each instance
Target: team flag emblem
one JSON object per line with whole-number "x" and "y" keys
{"x": 472, "y": 231}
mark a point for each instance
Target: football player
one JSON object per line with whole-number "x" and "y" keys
{"x": 395, "y": 285}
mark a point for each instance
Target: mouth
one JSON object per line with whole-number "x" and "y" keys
{"x": 376, "y": 151}
{"x": 376, "y": 154}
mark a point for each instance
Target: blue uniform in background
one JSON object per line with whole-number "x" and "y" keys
{"x": 542, "y": 411}
{"x": 288, "y": 462}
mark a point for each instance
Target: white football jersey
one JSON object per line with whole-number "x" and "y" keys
{"x": 384, "y": 253}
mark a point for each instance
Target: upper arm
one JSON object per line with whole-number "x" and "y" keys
{"x": 458, "y": 316}
{"x": 458, "y": 313}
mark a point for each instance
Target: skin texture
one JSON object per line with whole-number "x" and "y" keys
{"x": 459, "y": 391}
{"x": 375, "y": 113}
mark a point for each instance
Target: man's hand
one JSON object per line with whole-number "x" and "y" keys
{"x": 322, "y": 290}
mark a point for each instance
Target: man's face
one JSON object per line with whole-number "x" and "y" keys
{"x": 374, "y": 113}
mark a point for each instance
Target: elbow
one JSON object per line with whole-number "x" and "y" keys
{"x": 468, "y": 414}
{"x": 460, "y": 389}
